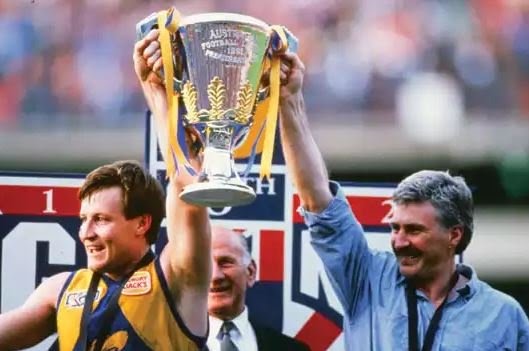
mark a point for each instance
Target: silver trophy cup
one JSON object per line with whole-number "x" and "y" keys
{"x": 221, "y": 58}
{"x": 224, "y": 55}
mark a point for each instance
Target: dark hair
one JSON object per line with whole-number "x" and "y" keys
{"x": 448, "y": 194}
{"x": 142, "y": 194}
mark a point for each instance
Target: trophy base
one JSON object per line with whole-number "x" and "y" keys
{"x": 217, "y": 194}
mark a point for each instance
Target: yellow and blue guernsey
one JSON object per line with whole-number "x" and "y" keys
{"x": 146, "y": 317}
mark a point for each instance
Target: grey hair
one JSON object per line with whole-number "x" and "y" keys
{"x": 246, "y": 256}
{"x": 449, "y": 195}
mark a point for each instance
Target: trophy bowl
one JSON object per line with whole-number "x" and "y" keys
{"x": 218, "y": 61}
{"x": 224, "y": 56}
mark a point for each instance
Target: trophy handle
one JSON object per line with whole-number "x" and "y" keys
{"x": 277, "y": 47}
{"x": 167, "y": 22}
{"x": 149, "y": 23}
{"x": 144, "y": 26}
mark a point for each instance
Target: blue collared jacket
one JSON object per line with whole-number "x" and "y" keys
{"x": 372, "y": 292}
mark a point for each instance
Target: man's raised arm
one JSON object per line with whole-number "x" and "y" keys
{"x": 335, "y": 234}
{"x": 303, "y": 158}
{"x": 186, "y": 259}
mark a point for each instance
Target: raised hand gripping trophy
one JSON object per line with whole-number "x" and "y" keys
{"x": 214, "y": 62}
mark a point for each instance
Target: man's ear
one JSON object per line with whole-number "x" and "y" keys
{"x": 455, "y": 236}
{"x": 252, "y": 273}
{"x": 144, "y": 224}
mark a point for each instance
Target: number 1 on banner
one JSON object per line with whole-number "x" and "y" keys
{"x": 49, "y": 201}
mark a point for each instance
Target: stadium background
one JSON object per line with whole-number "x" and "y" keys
{"x": 392, "y": 86}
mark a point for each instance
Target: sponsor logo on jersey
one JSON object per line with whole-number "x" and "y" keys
{"x": 76, "y": 299}
{"x": 138, "y": 284}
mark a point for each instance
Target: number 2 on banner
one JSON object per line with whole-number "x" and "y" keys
{"x": 49, "y": 201}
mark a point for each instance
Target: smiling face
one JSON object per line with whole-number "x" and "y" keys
{"x": 233, "y": 272}
{"x": 423, "y": 247}
{"x": 112, "y": 242}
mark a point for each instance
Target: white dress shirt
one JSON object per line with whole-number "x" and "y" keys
{"x": 243, "y": 336}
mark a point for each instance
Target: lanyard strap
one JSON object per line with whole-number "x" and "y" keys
{"x": 411, "y": 300}
{"x": 104, "y": 325}
{"x": 88, "y": 302}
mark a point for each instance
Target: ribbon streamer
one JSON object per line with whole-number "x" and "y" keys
{"x": 175, "y": 155}
{"x": 271, "y": 118}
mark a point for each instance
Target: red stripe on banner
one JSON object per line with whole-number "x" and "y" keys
{"x": 369, "y": 210}
{"x": 296, "y": 203}
{"x": 39, "y": 200}
{"x": 319, "y": 332}
{"x": 271, "y": 255}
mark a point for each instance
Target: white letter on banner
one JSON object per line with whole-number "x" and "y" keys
{"x": 259, "y": 185}
{"x": 49, "y": 201}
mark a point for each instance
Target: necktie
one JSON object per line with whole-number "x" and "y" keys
{"x": 226, "y": 344}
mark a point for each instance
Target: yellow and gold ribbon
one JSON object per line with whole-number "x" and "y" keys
{"x": 253, "y": 143}
{"x": 254, "y": 137}
{"x": 173, "y": 147}
{"x": 271, "y": 118}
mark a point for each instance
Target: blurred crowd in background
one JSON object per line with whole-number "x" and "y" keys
{"x": 65, "y": 62}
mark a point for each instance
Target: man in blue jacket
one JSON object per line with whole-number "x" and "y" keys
{"x": 416, "y": 298}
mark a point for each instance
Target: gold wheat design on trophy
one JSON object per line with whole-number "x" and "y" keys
{"x": 244, "y": 103}
{"x": 216, "y": 96}
{"x": 189, "y": 94}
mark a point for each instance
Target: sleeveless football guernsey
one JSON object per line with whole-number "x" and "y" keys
{"x": 146, "y": 317}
